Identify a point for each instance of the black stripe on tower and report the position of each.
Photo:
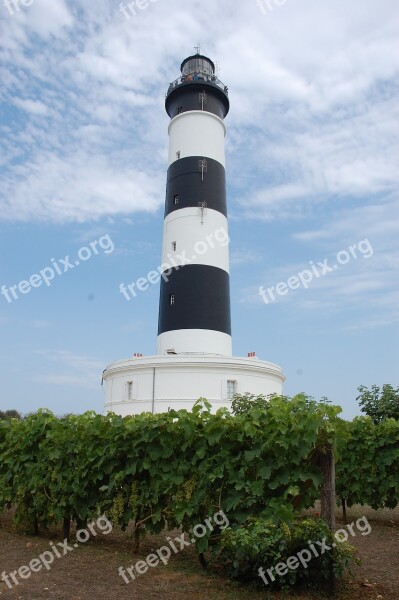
(186, 188)
(187, 97)
(195, 297)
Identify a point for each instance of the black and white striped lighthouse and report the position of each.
(194, 351)
(194, 307)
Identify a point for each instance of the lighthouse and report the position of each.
(194, 308)
(194, 343)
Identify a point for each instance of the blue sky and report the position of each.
(312, 167)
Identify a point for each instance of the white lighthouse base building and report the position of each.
(158, 383)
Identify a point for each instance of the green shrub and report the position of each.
(173, 469)
(368, 464)
(261, 544)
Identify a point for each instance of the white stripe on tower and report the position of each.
(190, 238)
(197, 133)
(194, 311)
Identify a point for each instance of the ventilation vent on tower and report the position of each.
(203, 165)
(202, 206)
(203, 98)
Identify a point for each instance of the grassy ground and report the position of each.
(90, 572)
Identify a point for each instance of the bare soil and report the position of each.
(90, 572)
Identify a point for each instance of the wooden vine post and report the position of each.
(328, 506)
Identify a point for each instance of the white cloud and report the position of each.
(312, 104)
(35, 107)
(243, 257)
(70, 369)
(80, 188)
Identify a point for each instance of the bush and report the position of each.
(261, 544)
(175, 468)
(368, 464)
(245, 403)
(9, 414)
(379, 404)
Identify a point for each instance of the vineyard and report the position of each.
(174, 470)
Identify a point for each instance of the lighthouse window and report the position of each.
(178, 154)
(199, 66)
(174, 245)
(231, 389)
(171, 299)
(130, 390)
(176, 199)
